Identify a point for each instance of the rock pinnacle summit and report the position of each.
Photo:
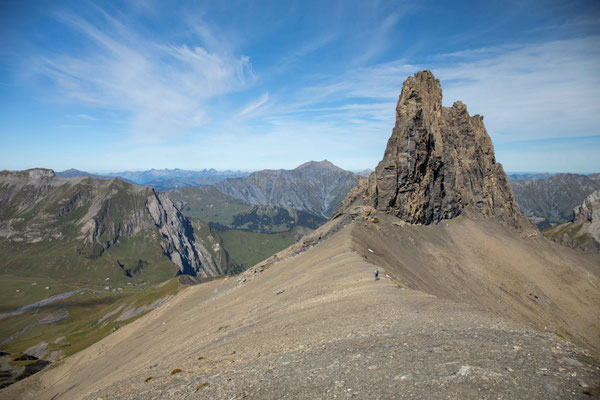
(438, 164)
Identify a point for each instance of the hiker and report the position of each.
(376, 274)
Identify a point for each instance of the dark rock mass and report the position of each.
(439, 163)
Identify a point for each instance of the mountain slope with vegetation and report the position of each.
(85, 217)
(550, 201)
(583, 233)
(71, 248)
(209, 204)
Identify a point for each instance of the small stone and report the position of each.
(583, 384)
(280, 291)
(550, 388)
(571, 362)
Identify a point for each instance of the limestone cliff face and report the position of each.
(584, 232)
(90, 215)
(439, 163)
(179, 243)
(589, 210)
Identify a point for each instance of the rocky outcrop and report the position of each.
(584, 232)
(179, 242)
(89, 215)
(589, 211)
(438, 164)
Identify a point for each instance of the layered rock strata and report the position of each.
(438, 164)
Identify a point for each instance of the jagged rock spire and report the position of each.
(439, 163)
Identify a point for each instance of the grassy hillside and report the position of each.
(574, 235)
(208, 204)
(249, 248)
(235, 250)
(66, 326)
(54, 259)
(74, 250)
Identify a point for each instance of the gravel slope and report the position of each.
(317, 325)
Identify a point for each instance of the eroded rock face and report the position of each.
(583, 233)
(439, 163)
(179, 243)
(589, 210)
(90, 215)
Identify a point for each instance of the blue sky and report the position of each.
(109, 86)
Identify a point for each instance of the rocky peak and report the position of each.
(438, 164)
(325, 164)
(39, 173)
(589, 210)
(179, 242)
(28, 174)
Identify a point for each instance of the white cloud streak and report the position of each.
(250, 109)
(531, 91)
(166, 88)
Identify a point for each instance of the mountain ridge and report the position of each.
(315, 187)
(550, 201)
(583, 233)
(94, 214)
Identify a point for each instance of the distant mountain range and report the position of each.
(315, 187)
(550, 201)
(75, 173)
(162, 179)
(525, 176)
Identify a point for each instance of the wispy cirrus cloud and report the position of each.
(251, 108)
(525, 91)
(164, 87)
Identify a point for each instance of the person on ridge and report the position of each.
(376, 274)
